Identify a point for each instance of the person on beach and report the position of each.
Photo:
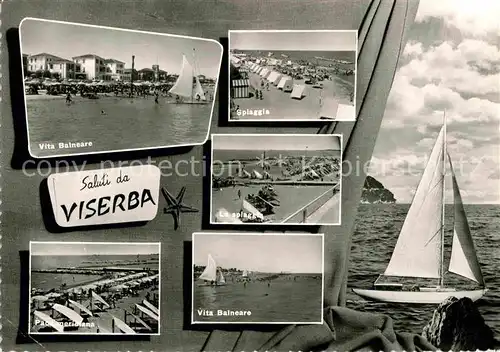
(239, 194)
(68, 98)
(156, 97)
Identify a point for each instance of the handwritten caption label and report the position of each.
(105, 196)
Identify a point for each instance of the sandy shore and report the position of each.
(282, 107)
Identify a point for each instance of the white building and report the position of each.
(65, 68)
(93, 66)
(115, 68)
(42, 61)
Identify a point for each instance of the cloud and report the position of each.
(424, 106)
(455, 74)
(413, 49)
(471, 67)
(472, 17)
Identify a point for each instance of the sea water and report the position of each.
(114, 123)
(377, 230)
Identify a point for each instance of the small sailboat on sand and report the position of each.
(184, 90)
(212, 275)
(419, 251)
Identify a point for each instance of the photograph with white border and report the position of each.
(94, 288)
(93, 89)
(292, 75)
(273, 179)
(257, 278)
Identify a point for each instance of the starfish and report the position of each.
(175, 206)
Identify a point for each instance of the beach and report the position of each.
(96, 298)
(284, 185)
(324, 76)
(282, 107)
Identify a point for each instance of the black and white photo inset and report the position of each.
(94, 288)
(276, 179)
(292, 75)
(114, 89)
(257, 278)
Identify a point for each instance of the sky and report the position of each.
(69, 40)
(310, 41)
(260, 252)
(93, 248)
(451, 63)
(275, 142)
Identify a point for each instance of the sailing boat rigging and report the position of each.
(419, 251)
(212, 275)
(183, 89)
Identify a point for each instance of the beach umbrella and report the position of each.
(53, 295)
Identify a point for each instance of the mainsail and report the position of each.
(210, 272)
(221, 279)
(199, 90)
(418, 249)
(463, 260)
(184, 85)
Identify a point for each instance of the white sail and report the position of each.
(184, 85)
(463, 259)
(210, 272)
(221, 280)
(199, 90)
(418, 249)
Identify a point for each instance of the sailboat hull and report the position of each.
(425, 296)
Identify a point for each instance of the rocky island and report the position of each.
(374, 192)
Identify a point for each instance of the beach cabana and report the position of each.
(272, 76)
(286, 84)
(277, 79)
(240, 88)
(329, 108)
(263, 72)
(267, 73)
(298, 91)
(346, 113)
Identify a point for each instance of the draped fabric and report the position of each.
(381, 35)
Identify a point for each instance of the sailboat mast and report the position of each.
(441, 276)
(194, 74)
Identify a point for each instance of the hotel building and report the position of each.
(93, 66)
(115, 68)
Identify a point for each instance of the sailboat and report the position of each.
(211, 275)
(419, 251)
(183, 88)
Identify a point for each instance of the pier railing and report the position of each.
(300, 216)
